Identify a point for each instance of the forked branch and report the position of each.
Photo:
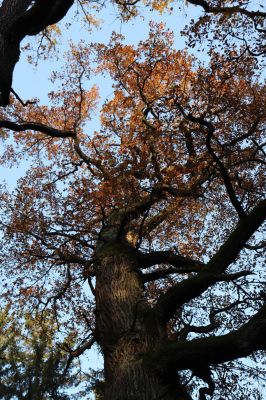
(199, 353)
(193, 287)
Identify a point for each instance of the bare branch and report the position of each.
(34, 126)
(76, 353)
(168, 257)
(208, 8)
(226, 178)
(224, 174)
(197, 329)
(164, 273)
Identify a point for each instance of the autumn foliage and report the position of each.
(175, 176)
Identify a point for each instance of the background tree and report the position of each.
(33, 363)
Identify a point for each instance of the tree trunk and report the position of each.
(127, 328)
(9, 55)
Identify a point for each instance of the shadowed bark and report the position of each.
(19, 18)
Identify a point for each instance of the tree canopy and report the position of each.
(145, 236)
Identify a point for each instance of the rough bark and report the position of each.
(127, 328)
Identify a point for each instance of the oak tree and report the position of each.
(145, 237)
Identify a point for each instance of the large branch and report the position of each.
(18, 20)
(199, 353)
(10, 10)
(193, 287)
(209, 8)
(33, 126)
(168, 257)
(56, 133)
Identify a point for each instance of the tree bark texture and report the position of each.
(127, 328)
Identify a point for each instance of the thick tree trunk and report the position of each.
(127, 328)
